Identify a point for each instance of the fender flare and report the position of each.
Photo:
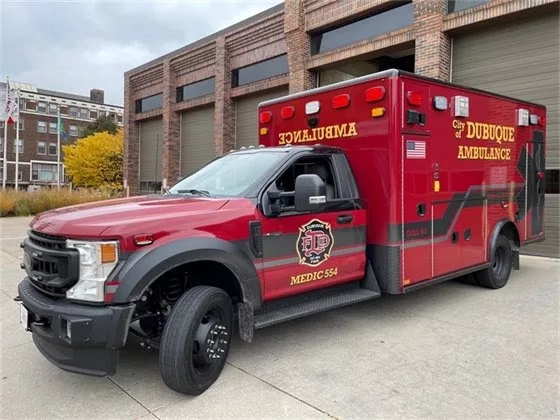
(143, 267)
(495, 233)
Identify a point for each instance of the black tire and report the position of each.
(196, 340)
(497, 275)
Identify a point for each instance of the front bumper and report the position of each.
(97, 332)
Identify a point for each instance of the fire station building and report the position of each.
(184, 108)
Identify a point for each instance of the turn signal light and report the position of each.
(143, 239)
(341, 101)
(375, 94)
(265, 117)
(414, 98)
(108, 253)
(378, 112)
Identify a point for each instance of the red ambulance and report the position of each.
(378, 185)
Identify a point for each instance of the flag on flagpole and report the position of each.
(61, 128)
(12, 106)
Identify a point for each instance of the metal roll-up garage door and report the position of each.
(520, 59)
(151, 150)
(246, 118)
(197, 139)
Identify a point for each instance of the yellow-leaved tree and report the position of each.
(96, 161)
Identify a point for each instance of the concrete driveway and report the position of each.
(451, 350)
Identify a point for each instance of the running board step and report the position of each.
(309, 303)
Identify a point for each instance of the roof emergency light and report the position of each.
(287, 112)
(440, 103)
(534, 119)
(312, 107)
(523, 117)
(375, 93)
(341, 101)
(265, 117)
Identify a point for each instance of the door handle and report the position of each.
(346, 218)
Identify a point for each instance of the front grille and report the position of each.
(47, 241)
(52, 268)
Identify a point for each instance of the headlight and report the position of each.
(97, 260)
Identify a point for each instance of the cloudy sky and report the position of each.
(76, 45)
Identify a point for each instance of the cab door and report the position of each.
(303, 252)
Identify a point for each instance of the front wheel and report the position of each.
(196, 339)
(497, 275)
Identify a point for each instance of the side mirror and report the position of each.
(310, 193)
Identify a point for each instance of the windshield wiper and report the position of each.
(194, 191)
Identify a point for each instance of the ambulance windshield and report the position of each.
(228, 176)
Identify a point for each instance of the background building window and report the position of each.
(73, 111)
(149, 103)
(93, 114)
(41, 148)
(366, 28)
(41, 127)
(21, 123)
(42, 107)
(119, 118)
(52, 149)
(1, 144)
(196, 89)
(275, 66)
(454, 6)
(84, 113)
(20, 146)
(44, 172)
(30, 105)
(52, 128)
(53, 108)
(73, 130)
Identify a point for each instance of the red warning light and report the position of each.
(341, 101)
(414, 98)
(265, 117)
(287, 112)
(375, 94)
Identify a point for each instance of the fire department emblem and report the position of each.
(315, 242)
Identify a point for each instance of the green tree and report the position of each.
(104, 123)
(96, 161)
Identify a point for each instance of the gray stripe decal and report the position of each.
(294, 260)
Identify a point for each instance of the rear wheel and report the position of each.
(497, 275)
(196, 339)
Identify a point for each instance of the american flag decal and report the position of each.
(415, 149)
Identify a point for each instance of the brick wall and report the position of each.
(432, 46)
(281, 32)
(298, 43)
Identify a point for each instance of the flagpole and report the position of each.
(58, 149)
(4, 162)
(17, 143)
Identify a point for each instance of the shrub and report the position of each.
(23, 203)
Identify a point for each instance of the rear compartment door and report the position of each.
(535, 167)
(417, 151)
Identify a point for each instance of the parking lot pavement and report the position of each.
(451, 350)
